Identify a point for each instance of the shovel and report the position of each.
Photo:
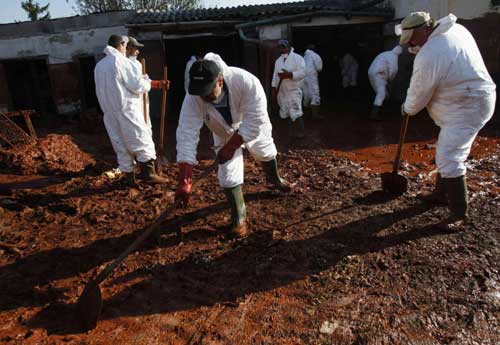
(144, 95)
(161, 159)
(393, 182)
(89, 304)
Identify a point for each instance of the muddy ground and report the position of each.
(334, 262)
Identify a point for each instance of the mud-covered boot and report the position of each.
(239, 226)
(273, 177)
(298, 125)
(458, 203)
(148, 173)
(129, 179)
(438, 195)
(315, 113)
(375, 113)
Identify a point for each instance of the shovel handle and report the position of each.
(144, 95)
(161, 218)
(163, 110)
(402, 135)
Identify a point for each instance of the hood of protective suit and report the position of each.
(109, 50)
(397, 50)
(218, 60)
(444, 24)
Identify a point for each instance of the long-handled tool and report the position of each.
(89, 303)
(393, 182)
(161, 159)
(144, 95)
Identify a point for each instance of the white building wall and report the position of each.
(60, 48)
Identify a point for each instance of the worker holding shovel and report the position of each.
(450, 79)
(233, 105)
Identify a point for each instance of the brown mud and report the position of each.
(334, 262)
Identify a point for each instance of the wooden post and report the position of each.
(163, 111)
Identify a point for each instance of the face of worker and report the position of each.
(284, 50)
(420, 36)
(133, 52)
(216, 92)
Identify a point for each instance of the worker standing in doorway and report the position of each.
(349, 71)
(233, 105)
(289, 73)
(381, 72)
(450, 79)
(119, 89)
(314, 65)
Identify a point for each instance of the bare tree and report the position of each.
(96, 6)
(35, 11)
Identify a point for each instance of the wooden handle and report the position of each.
(145, 95)
(402, 135)
(163, 110)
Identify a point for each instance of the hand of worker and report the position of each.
(285, 75)
(185, 183)
(227, 151)
(160, 84)
(403, 112)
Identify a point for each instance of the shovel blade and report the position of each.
(394, 183)
(89, 306)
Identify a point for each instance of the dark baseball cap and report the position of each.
(203, 77)
(132, 42)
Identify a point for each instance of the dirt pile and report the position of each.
(55, 154)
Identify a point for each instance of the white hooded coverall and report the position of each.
(450, 79)
(119, 89)
(290, 92)
(349, 71)
(138, 68)
(190, 63)
(383, 70)
(314, 65)
(248, 106)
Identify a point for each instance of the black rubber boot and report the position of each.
(130, 180)
(299, 130)
(375, 113)
(458, 202)
(273, 177)
(239, 226)
(438, 195)
(149, 175)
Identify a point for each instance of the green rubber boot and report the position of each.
(458, 203)
(273, 177)
(239, 226)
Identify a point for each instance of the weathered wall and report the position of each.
(65, 87)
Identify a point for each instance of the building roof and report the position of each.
(254, 12)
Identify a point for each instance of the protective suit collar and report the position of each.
(397, 50)
(109, 50)
(444, 24)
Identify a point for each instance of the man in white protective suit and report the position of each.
(450, 79)
(310, 88)
(381, 72)
(195, 57)
(289, 73)
(232, 103)
(119, 89)
(349, 71)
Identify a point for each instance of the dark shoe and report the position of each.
(299, 130)
(149, 175)
(458, 203)
(130, 180)
(315, 113)
(438, 195)
(375, 113)
(239, 226)
(273, 177)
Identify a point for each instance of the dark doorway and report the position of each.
(179, 51)
(89, 99)
(363, 41)
(29, 85)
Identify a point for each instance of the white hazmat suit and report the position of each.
(451, 80)
(190, 63)
(138, 68)
(290, 93)
(248, 107)
(349, 71)
(314, 65)
(383, 70)
(119, 89)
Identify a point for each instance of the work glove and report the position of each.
(403, 112)
(227, 151)
(285, 75)
(185, 183)
(160, 84)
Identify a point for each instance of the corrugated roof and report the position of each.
(250, 12)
